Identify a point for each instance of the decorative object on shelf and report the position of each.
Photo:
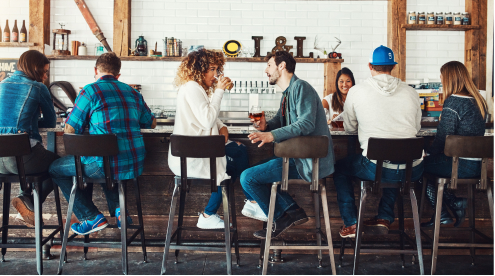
(448, 18)
(457, 18)
(431, 18)
(334, 54)
(82, 50)
(155, 53)
(466, 20)
(23, 34)
(257, 51)
(95, 29)
(300, 42)
(439, 17)
(6, 32)
(421, 18)
(232, 48)
(15, 33)
(173, 47)
(75, 47)
(317, 47)
(141, 46)
(411, 17)
(63, 43)
(136, 86)
(194, 48)
(99, 50)
(280, 45)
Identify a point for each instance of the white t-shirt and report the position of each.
(329, 112)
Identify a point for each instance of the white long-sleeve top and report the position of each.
(197, 115)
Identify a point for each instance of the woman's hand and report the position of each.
(225, 132)
(334, 116)
(223, 82)
(329, 122)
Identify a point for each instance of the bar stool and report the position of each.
(200, 147)
(455, 147)
(314, 147)
(397, 151)
(18, 145)
(104, 145)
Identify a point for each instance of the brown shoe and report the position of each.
(24, 206)
(377, 226)
(348, 232)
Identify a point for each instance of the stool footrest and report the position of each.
(197, 248)
(389, 251)
(481, 245)
(301, 247)
(31, 245)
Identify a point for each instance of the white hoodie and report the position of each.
(383, 107)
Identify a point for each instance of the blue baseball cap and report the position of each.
(382, 56)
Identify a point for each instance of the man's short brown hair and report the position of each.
(290, 62)
(109, 63)
(383, 68)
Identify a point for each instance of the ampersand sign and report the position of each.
(280, 45)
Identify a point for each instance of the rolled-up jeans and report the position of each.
(62, 171)
(359, 166)
(255, 179)
(37, 162)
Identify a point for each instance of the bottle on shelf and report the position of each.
(15, 33)
(1, 34)
(23, 34)
(6, 32)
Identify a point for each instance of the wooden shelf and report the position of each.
(298, 60)
(439, 27)
(17, 44)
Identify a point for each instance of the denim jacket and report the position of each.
(21, 99)
(307, 118)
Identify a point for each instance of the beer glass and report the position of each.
(255, 113)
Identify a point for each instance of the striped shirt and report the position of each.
(110, 106)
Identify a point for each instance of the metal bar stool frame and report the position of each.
(104, 145)
(314, 147)
(397, 151)
(200, 147)
(456, 147)
(18, 145)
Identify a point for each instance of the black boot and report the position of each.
(457, 205)
(431, 194)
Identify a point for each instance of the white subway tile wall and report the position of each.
(361, 26)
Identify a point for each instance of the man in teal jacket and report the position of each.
(301, 114)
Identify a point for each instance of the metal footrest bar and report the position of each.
(197, 248)
(20, 245)
(301, 247)
(388, 251)
(479, 245)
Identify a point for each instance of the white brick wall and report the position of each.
(360, 25)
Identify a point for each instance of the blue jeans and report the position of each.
(441, 165)
(255, 179)
(359, 166)
(237, 162)
(62, 170)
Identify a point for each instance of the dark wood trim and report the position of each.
(17, 44)
(440, 27)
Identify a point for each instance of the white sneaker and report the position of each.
(253, 210)
(212, 222)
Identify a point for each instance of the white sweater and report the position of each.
(197, 115)
(382, 107)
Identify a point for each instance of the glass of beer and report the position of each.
(255, 113)
(229, 86)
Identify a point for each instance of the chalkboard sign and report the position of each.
(7, 67)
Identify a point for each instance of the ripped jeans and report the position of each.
(359, 166)
(62, 170)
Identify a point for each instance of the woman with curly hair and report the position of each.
(198, 105)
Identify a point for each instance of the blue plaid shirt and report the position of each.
(110, 106)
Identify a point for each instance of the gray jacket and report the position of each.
(307, 118)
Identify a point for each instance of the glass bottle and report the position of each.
(466, 20)
(457, 18)
(431, 18)
(421, 18)
(6, 32)
(23, 37)
(411, 18)
(439, 17)
(15, 33)
(448, 18)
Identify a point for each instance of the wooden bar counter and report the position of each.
(157, 184)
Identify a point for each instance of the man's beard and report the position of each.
(273, 80)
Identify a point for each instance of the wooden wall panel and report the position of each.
(39, 24)
(330, 74)
(396, 35)
(122, 27)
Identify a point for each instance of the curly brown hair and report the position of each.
(109, 63)
(195, 66)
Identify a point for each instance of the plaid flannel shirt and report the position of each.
(110, 106)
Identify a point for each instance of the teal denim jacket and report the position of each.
(21, 99)
(307, 118)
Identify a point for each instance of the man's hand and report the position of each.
(264, 137)
(225, 132)
(261, 124)
(153, 124)
(69, 129)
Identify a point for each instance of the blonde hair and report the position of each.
(456, 80)
(195, 66)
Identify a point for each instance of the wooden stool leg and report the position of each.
(359, 231)
(269, 227)
(170, 226)
(326, 216)
(226, 220)
(436, 231)
(123, 225)
(5, 218)
(417, 229)
(59, 213)
(316, 200)
(489, 193)
(63, 256)
(472, 219)
(38, 229)
(140, 218)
